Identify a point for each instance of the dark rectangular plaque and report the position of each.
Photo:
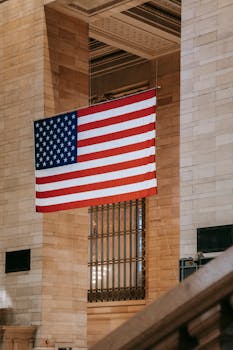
(18, 260)
(214, 239)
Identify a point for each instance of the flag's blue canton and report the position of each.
(56, 141)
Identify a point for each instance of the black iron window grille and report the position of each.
(117, 251)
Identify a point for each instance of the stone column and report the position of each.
(206, 122)
(21, 101)
(44, 71)
(64, 279)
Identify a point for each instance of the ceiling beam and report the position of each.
(99, 9)
(120, 6)
(148, 28)
(109, 25)
(133, 37)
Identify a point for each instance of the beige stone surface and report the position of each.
(162, 214)
(19, 337)
(44, 70)
(21, 69)
(38, 79)
(206, 118)
(64, 279)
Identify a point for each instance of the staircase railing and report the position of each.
(195, 315)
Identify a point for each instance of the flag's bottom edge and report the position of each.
(97, 201)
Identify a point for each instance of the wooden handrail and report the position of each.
(178, 316)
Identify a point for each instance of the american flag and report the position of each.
(97, 155)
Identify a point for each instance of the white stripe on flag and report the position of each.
(96, 163)
(114, 112)
(97, 193)
(131, 124)
(126, 141)
(96, 178)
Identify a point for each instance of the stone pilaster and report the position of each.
(44, 70)
(206, 122)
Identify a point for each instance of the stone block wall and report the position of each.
(44, 71)
(162, 210)
(21, 102)
(206, 131)
(64, 279)
(38, 79)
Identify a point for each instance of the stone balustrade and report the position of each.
(17, 337)
(195, 315)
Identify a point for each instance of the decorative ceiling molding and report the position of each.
(94, 8)
(153, 29)
(126, 32)
(159, 16)
(148, 30)
(172, 6)
(134, 38)
(91, 10)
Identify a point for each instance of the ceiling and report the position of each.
(126, 32)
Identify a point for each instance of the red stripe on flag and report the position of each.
(115, 120)
(96, 186)
(98, 201)
(116, 103)
(116, 135)
(96, 171)
(116, 151)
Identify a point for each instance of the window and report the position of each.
(117, 251)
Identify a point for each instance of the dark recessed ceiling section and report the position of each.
(158, 14)
(105, 59)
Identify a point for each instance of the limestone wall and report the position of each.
(206, 131)
(162, 213)
(44, 70)
(21, 102)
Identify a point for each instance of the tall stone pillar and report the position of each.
(44, 70)
(206, 125)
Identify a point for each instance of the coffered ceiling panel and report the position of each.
(90, 10)
(117, 32)
(124, 31)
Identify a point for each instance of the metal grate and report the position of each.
(187, 266)
(117, 251)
